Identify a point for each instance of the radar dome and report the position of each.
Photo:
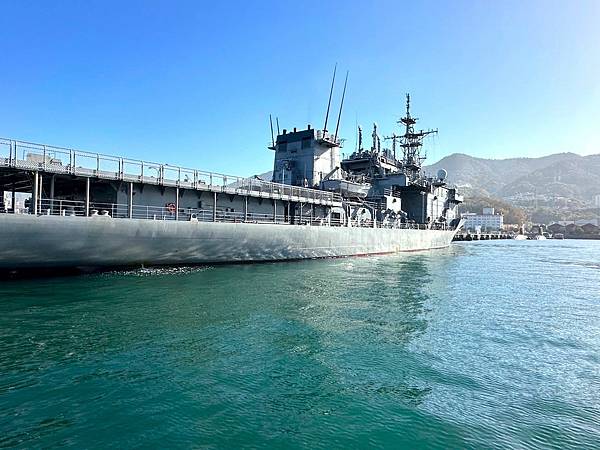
(442, 174)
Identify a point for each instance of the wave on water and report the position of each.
(158, 271)
(566, 262)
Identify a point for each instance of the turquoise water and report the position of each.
(484, 345)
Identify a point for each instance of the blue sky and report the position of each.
(193, 83)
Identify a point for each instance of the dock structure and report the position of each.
(64, 181)
(486, 236)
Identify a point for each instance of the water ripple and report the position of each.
(485, 344)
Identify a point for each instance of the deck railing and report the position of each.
(49, 158)
(73, 208)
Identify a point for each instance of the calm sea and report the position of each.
(484, 345)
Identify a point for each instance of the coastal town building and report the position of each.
(573, 230)
(487, 220)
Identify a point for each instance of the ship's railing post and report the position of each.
(130, 200)
(177, 203)
(9, 152)
(40, 192)
(52, 179)
(87, 196)
(214, 206)
(34, 193)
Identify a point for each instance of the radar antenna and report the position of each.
(412, 141)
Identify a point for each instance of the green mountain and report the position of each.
(562, 186)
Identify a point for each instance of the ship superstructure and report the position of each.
(61, 207)
(375, 184)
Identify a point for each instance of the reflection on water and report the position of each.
(456, 348)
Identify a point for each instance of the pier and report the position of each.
(467, 236)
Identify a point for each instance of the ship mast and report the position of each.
(412, 141)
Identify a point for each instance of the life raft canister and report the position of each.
(171, 208)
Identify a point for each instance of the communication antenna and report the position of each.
(341, 106)
(394, 137)
(360, 147)
(356, 146)
(272, 137)
(330, 95)
(277, 120)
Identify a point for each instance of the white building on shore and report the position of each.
(489, 220)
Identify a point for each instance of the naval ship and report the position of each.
(65, 208)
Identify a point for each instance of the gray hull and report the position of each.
(53, 242)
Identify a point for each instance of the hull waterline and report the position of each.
(46, 242)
